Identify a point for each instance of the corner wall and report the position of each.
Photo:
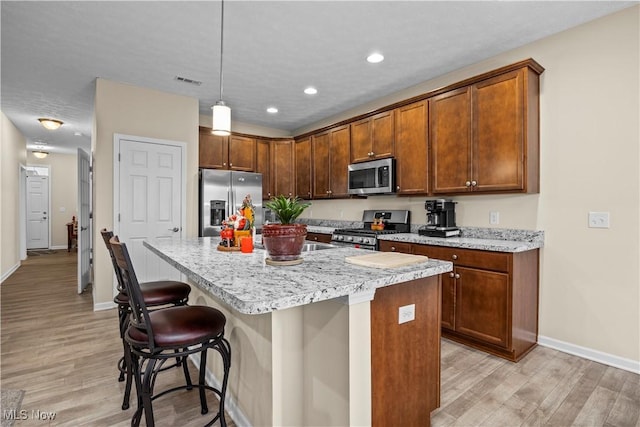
(13, 149)
(130, 110)
(590, 161)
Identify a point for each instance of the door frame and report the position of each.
(23, 197)
(117, 137)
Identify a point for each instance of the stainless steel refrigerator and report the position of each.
(221, 195)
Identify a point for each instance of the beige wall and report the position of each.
(13, 154)
(247, 128)
(136, 111)
(590, 161)
(63, 170)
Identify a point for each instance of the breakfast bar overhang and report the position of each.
(322, 342)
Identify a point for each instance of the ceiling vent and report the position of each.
(190, 81)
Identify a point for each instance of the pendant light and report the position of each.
(221, 112)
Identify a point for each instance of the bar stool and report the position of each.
(156, 336)
(159, 294)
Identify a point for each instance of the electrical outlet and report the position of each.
(494, 218)
(406, 313)
(598, 219)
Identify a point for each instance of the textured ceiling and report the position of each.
(52, 53)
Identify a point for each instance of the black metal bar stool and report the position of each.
(159, 294)
(156, 336)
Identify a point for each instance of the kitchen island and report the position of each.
(320, 343)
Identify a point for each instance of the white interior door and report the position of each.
(150, 201)
(84, 220)
(37, 212)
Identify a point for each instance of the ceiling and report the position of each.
(53, 51)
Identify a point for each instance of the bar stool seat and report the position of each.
(157, 294)
(156, 336)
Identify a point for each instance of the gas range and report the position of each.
(394, 221)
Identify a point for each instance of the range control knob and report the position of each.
(349, 239)
(339, 238)
(359, 239)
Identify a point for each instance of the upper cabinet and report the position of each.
(412, 173)
(263, 166)
(303, 174)
(373, 138)
(484, 137)
(226, 152)
(282, 167)
(330, 152)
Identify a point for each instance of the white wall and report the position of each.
(590, 161)
(13, 149)
(131, 110)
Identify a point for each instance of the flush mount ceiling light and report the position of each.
(272, 110)
(51, 124)
(221, 112)
(375, 57)
(40, 154)
(311, 90)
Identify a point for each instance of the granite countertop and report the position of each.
(247, 284)
(320, 229)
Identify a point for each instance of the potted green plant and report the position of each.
(284, 241)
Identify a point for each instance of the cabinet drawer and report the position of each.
(497, 261)
(319, 237)
(389, 246)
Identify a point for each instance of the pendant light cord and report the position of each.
(221, 42)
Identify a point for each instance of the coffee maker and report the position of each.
(441, 219)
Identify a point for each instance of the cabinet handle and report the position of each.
(451, 275)
(397, 187)
(230, 164)
(467, 184)
(457, 276)
(289, 194)
(454, 256)
(224, 163)
(474, 183)
(393, 248)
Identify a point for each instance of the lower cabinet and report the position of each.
(319, 237)
(489, 300)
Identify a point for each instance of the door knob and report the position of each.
(174, 229)
(83, 228)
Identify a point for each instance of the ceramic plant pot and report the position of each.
(284, 242)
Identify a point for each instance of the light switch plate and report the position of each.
(598, 219)
(494, 218)
(406, 313)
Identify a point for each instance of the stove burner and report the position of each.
(395, 221)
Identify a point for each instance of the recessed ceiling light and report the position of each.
(272, 110)
(375, 57)
(77, 133)
(311, 90)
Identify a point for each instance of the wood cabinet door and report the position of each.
(339, 144)
(361, 140)
(498, 133)
(383, 135)
(448, 283)
(450, 141)
(319, 237)
(303, 168)
(212, 150)
(242, 153)
(373, 137)
(282, 167)
(411, 148)
(482, 305)
(321, 185)
(263, 166)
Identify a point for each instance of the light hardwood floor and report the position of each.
(63, 355)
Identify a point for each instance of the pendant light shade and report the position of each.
(221, 112)
(221, 119)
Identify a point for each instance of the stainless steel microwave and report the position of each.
(374, 177)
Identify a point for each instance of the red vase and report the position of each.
(284, 242)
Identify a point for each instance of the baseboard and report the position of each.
(57, 247)
(12, 270)
(590, 354)
(104, 306)
(231, 406)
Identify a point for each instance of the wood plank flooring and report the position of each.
(63, 355)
